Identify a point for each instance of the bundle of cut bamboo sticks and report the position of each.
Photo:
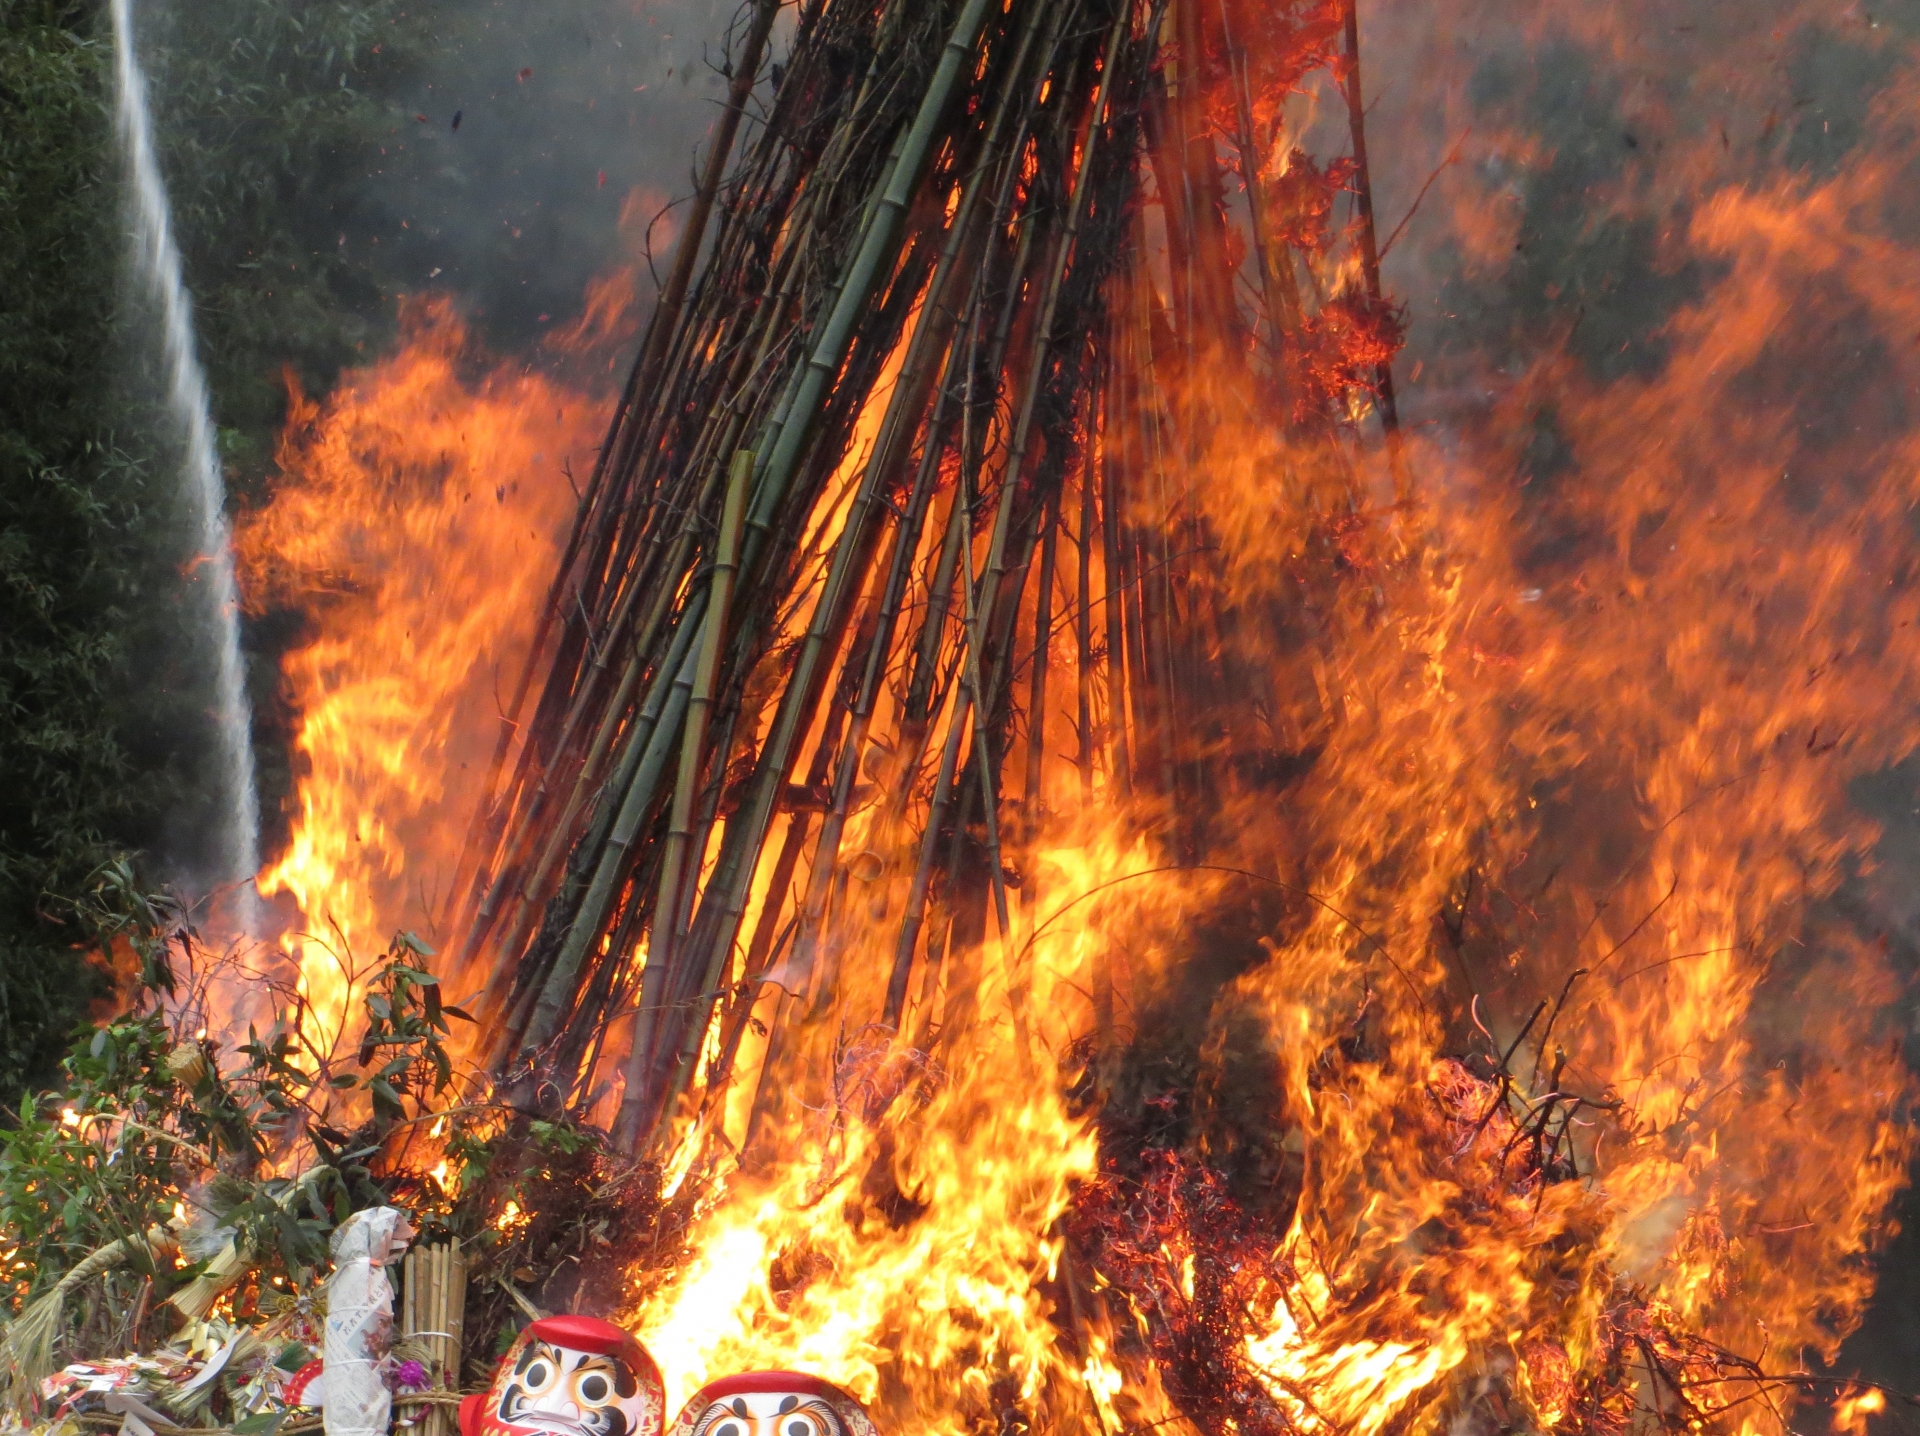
(433, 1299)
(915, 421)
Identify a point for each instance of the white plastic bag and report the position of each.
(360, 1321)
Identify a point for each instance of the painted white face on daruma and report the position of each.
(557, 1389)
(570, 1376)
(770, 1413)
(771, 1403)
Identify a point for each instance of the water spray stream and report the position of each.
(156, 259)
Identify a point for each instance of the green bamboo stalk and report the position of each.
(919, 706)
(835, 339)
(673, 693)
(700, 702)
(906, 540)
(983, 752)
(991, 596)
(636, 780)
(1083, 607)
(915, 914)
(659, 330)
(1042, 642)
(932, 336)
(914, 918)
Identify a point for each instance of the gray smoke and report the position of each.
(563, 112)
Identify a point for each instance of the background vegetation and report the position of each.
(68, 507)
(266, 105)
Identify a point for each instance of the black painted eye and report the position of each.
(727, 1428)
(538, 1376)
(595, 1388)
(799, 1426)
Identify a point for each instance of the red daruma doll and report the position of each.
(570, 1376)
(772, 1403)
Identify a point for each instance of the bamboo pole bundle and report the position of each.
(433, 1298)
(917, 420)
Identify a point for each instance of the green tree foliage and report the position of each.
(265, 110)
(220, 1167)
(269, 118)
(70, 508)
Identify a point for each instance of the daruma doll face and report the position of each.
(571, 1376)
(769, 1413)
(772, 1403)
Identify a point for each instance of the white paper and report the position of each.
(360, 1321)
(215, 1364)
(136, 1417)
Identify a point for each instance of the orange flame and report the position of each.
(1607, 787)
(1572, 1067)
(417, 522)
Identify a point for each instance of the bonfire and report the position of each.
(1049, 864)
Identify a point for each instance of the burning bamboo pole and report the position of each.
(679, 830)
(929, 285)
(782, 800)
(1363, 199)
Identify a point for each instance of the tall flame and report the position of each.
(1543, 1075)
(1576, 1070)
(416, 522)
